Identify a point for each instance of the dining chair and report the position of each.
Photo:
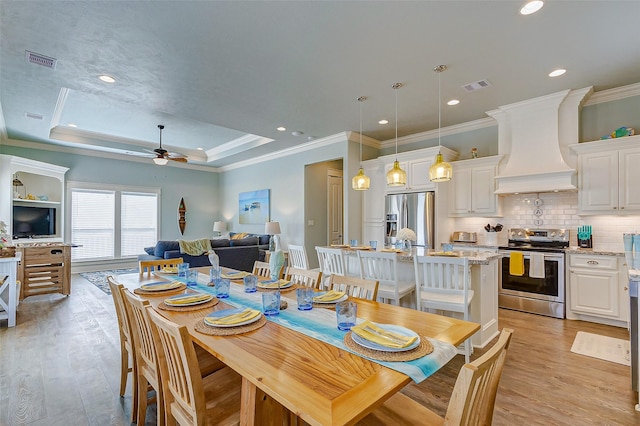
(298, 257)
(261, 269)
(355, 287)
(127, 348)
(304, 277)
(149, 266)
(472, 401)
(191, 399)
(331, 261)
(443, 284)
(383, 267)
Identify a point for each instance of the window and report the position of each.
(109, 222)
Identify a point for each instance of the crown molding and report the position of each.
(445, 131)
(614, 94)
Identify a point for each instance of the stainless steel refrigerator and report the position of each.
(415, 211)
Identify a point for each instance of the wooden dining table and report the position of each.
(286, 373)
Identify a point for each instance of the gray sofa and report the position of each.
(239, 253)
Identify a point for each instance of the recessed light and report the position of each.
(297, 133)
(531, 7)
(107, 78)
(200, 149)
(383, 122)
(281, 129)
(311, 138)
(556, 73)
(73, 125)
(453, 102)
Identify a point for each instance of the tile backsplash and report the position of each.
(559, 210)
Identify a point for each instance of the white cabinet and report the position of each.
(598, 289)
(471, 190)
(416, 164)
(418, 174)
(373, 208)
(608, 174)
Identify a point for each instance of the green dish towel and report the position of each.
(196, 247)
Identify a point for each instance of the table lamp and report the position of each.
(273, 229)
(219, 227)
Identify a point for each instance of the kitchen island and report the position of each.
(485, 273)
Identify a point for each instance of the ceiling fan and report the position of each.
(163, 156)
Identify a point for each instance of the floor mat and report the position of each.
(99, 278)
(602, 347)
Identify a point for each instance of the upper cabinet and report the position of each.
(416, 164)
(471, 190)
(608, 173)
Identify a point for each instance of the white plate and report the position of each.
(234, 275)
(261, 284)
(344, 297)
(226, 312)
(160, 286)
(183, 296)
(394, 329)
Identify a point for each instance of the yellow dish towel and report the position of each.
(273, 284)
(373, 333)
(329, 296)
(235, 275)
(161, 287)
(237, 318)
(516, 263)
(195, 248)
(186, 300)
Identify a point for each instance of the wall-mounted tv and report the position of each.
(31, 221)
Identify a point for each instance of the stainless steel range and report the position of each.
(540, 289)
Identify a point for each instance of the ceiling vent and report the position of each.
(476, 85)
(33, 115)
(36, 58)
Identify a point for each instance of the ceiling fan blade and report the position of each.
(178, 159)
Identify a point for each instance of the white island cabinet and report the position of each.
(484, 282)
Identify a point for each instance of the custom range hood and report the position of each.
(534, 136)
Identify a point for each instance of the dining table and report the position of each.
(288, 373)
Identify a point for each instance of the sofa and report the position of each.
(239, 251)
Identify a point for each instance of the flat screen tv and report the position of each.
(30, 222)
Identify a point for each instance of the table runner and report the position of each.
(321, 324)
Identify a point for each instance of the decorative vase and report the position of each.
(276, 261)
(214, 259)
(407, 246)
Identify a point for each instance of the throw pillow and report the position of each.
(239, 235)
(150, 250)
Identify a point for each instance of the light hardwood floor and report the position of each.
(60, 366)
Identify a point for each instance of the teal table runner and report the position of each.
(321, 325)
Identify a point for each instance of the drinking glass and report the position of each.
(250, 284)
(346, 314)
(192, 277)
(354, 243)
(373, 244)
(304, 296)
(271, 303)
(447, 248)
(214, 274)
(182, 270)
(222, 288)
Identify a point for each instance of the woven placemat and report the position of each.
(325, 305)
(209, 304)
(144, 292)
(424, 348)
(282, 290)
(202, 327)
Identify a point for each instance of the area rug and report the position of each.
(99, 278)
(602, 347)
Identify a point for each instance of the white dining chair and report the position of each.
(443, 284)
(298, 257)
(331, 261)
(383, 267)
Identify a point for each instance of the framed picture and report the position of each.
(253, 206)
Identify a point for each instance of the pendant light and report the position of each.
(396, 176)
(361, 182)
(440, 171)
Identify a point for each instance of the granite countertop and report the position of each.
(578, 250)
(475, 258)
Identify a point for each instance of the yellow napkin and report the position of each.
(329, 296)
(516, 263)
(235, 275)
(161, 287)
(373, 333)
(170, 270)
(274, 284)
(237, 318)
(185, 300)
(391, 250)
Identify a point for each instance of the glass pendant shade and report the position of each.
(360, 182)
(397, 176)
(440, 171)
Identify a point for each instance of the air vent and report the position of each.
(45, 61)
(476, 85)
(33, 115)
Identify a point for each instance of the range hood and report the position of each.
(534, 137)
